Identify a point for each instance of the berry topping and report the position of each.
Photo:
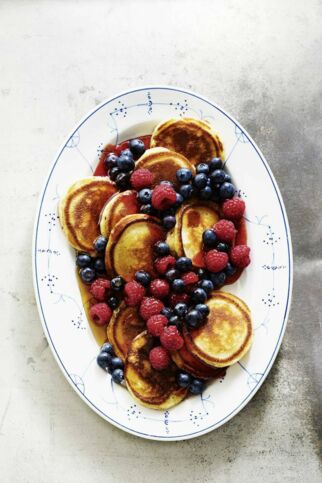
(196, 387)
(125, 162)
(239, 255)
(150, 306)
(112, 302)
(100, 243)
(172, 274)
(144, 196)
(194, 318)
(163, 196)
(207, 285)
(107, 347)
(216, 261)
(217, 176)
(100, 313)
(141, 178)
(159, 358)
(83, 260)
(202, 168)
(147, 209)
(215, 163)
(184, 175)
(117, 284)
(118, 375)
(169, 222)
(159, 288)
(162, 265)
(186, 191)
(233, 209)
(87, 274)
(199, 296)
(137, 148)
(99, 288)
(176, 298)
(206, 193)
(180, 309)
(113, 172)
(190, 278)
(116, 363)
(230, 269)
(104, 360)
(176, 321)
(183, 380)
(161, 249)
(167, 312)
(178, 285)
(184, 264)
(122, 181)
(203, 309)
(171, 338)
(226, 190)
(134, 293)
(225, 230)
(110, 161)
(209, 238)
(200, 180)
(218, 279)
(143, 278)
(156, 324)
(222, 247)
(99, 265)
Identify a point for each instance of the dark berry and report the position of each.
(196, 386)
(230, 269)
(117, 283)
(122, 181)
(87, 274)
(126, 152)
(137, 148)
(172, 274)
(207, 285)
(184, 264)
(184, 175)
(222, 247)
(83, 260)
(175, 320)
(147, 209)
(169, 222)
(215, 163)
(199, 296)
(227, 178)
(183, 380)
(217, 176)
(118, 375)
(186, 191)
(205, 193)
(202, 273)
(117, 363)
(167, 312)
(203, 309)
(180, 309)
(193, 318)
(107, 347)
(215, 195)
(104, 360)
(112, 302)
(202, 168)
(125, 163)
(170, 212)
(114, 172)
(179, 200)
(178, 285)
(161, 249)
(110, 161)
(99, 265)
(200, 181)
(226, 191)
(209, 238)
(145, 196)
(100, 243)
(218, 279)
(143, 278)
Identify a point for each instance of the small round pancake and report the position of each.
(227, 334)
(80, 208)
(164, 164)
(117, 207)
(188, 363)
(192, 138)
(130, 246)
(124, 326)
(151, 388)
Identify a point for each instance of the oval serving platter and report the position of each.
(265, 286)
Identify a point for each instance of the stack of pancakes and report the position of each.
(93, 206)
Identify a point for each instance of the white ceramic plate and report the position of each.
(265, 286)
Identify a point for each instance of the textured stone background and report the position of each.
(262, 62)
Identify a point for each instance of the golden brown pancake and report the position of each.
(117, 207)
(80, 208)
(124, 326)
(192, 138)
(130, 246)
(187, 362)
(227, 334)
(164, 164)
(151, 388)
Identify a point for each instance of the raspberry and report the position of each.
(177, 298)
(159, 288)
(239, 255)
(233, 209)
(159, 358)
(171, 338)
(156, 324)
(225, 230)
(216, 261)
(163, 196)
(163, 264)
(190, 278)
(150, 306)
(100, 313)
(134, 293)
(99, 288)
(141, 178)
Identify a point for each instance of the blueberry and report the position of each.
(196, 386)
(143, 278)
(184, 175)
(178, 285)
(125, 163)
(186, 191)
(169, 222)
(117, 363)
(181, 309)
(202, 273)
(137, 148)
(145, 196)
(99, 265)
(184, 264)
(227, 191)
(203, 309)
(217, 176)
(87, 274)
(169, 212)
(100, 243)
(172, 274)
(227, 178)
(218, 279)
(167, 312)
(112, 302)
(147, 209)
(175, 320)
(230, 269)
(118, 375)
(117, 283)
(207, 285)
(215, 195)
(200, 180)
(83, 260)
(222, 247)
(110, 161)
(209, 238)
(161, 248)
(199, 296)
(215, 163)
(107, 347)
(123, 181)
(104, 360)
(183, 380)
(179, 201)
(193, 318)
(202, 168)
(114, 172)
(205, 193)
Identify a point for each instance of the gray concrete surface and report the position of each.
(262, 62)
